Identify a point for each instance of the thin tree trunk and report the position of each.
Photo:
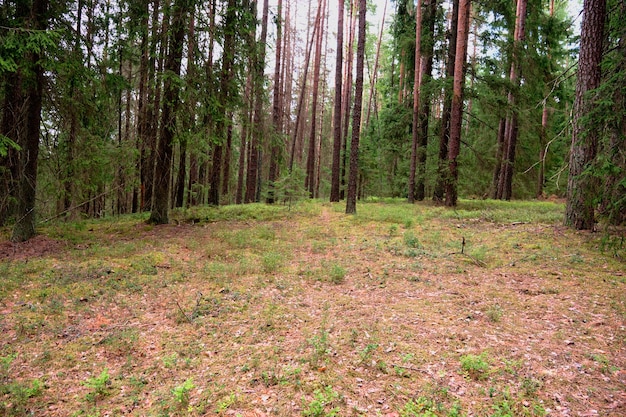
(505, 183)
(456, 113)
(444, 138)
(337, 112)
(309, 181)
(243, 151)
(276, 109)
(416, 99)
(347, 94)
(425, 101)
(499, 155)
(223, 102)
(257, 126)
(375, 70)
(356, 115)
(297, 130)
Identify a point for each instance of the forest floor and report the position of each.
(268, 311)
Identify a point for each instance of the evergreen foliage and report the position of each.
(105, 88)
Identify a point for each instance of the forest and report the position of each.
(179, 233)
(113, 107)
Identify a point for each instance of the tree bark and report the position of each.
(223, 99)
(347, 95)
(337, 112)
(171, 101)
(24, 227)
(505, 183)
(356, 113)
(444, 138)
(579, 212)
(416, 99)
(425, 101)
(309, 181)
(258, 128)
(456, 113)
(276, 109)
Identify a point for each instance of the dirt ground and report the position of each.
(315, 315)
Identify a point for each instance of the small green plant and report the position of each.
(181, 393)
(322, 400)
(530, 387)
(422, 407)
(494, 313)
(393, 229)
(5, 364)
(411, 241)
(366, 354)
(475, 366)
(337, 274)
(319, 343)
(225, 403)
(99, 386)
(169, 361)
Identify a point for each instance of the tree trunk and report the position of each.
(356, 113)
(456, 112)
(579, 212)
(337, 112)
(12, 126)
(171, 100)
(258, 128)
(375, 69)
(444, 138)
(347, 95)
(298, 121)
(243, 149)
(223, 101)
(416, 99)
(24, 227)
(425, 102)
(309, 181)
(505, 184)
(276, 108)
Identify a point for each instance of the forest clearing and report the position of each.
(490, 309)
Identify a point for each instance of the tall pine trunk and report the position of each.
(505, 181)
(171, 101)
(258, 127)
(356, 113)
(456, 110)
(337, 110)
(24, 227)
(444, 137)
(275, 148)
(579, 211)
(428, 41)
(416, 100)
(311, 158)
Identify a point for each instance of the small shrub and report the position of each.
(337, 274)
(494, 313)
(320, 403)
(181, 393)
(411, 240)
(99, 386)
(475, 366)
(367, 352)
